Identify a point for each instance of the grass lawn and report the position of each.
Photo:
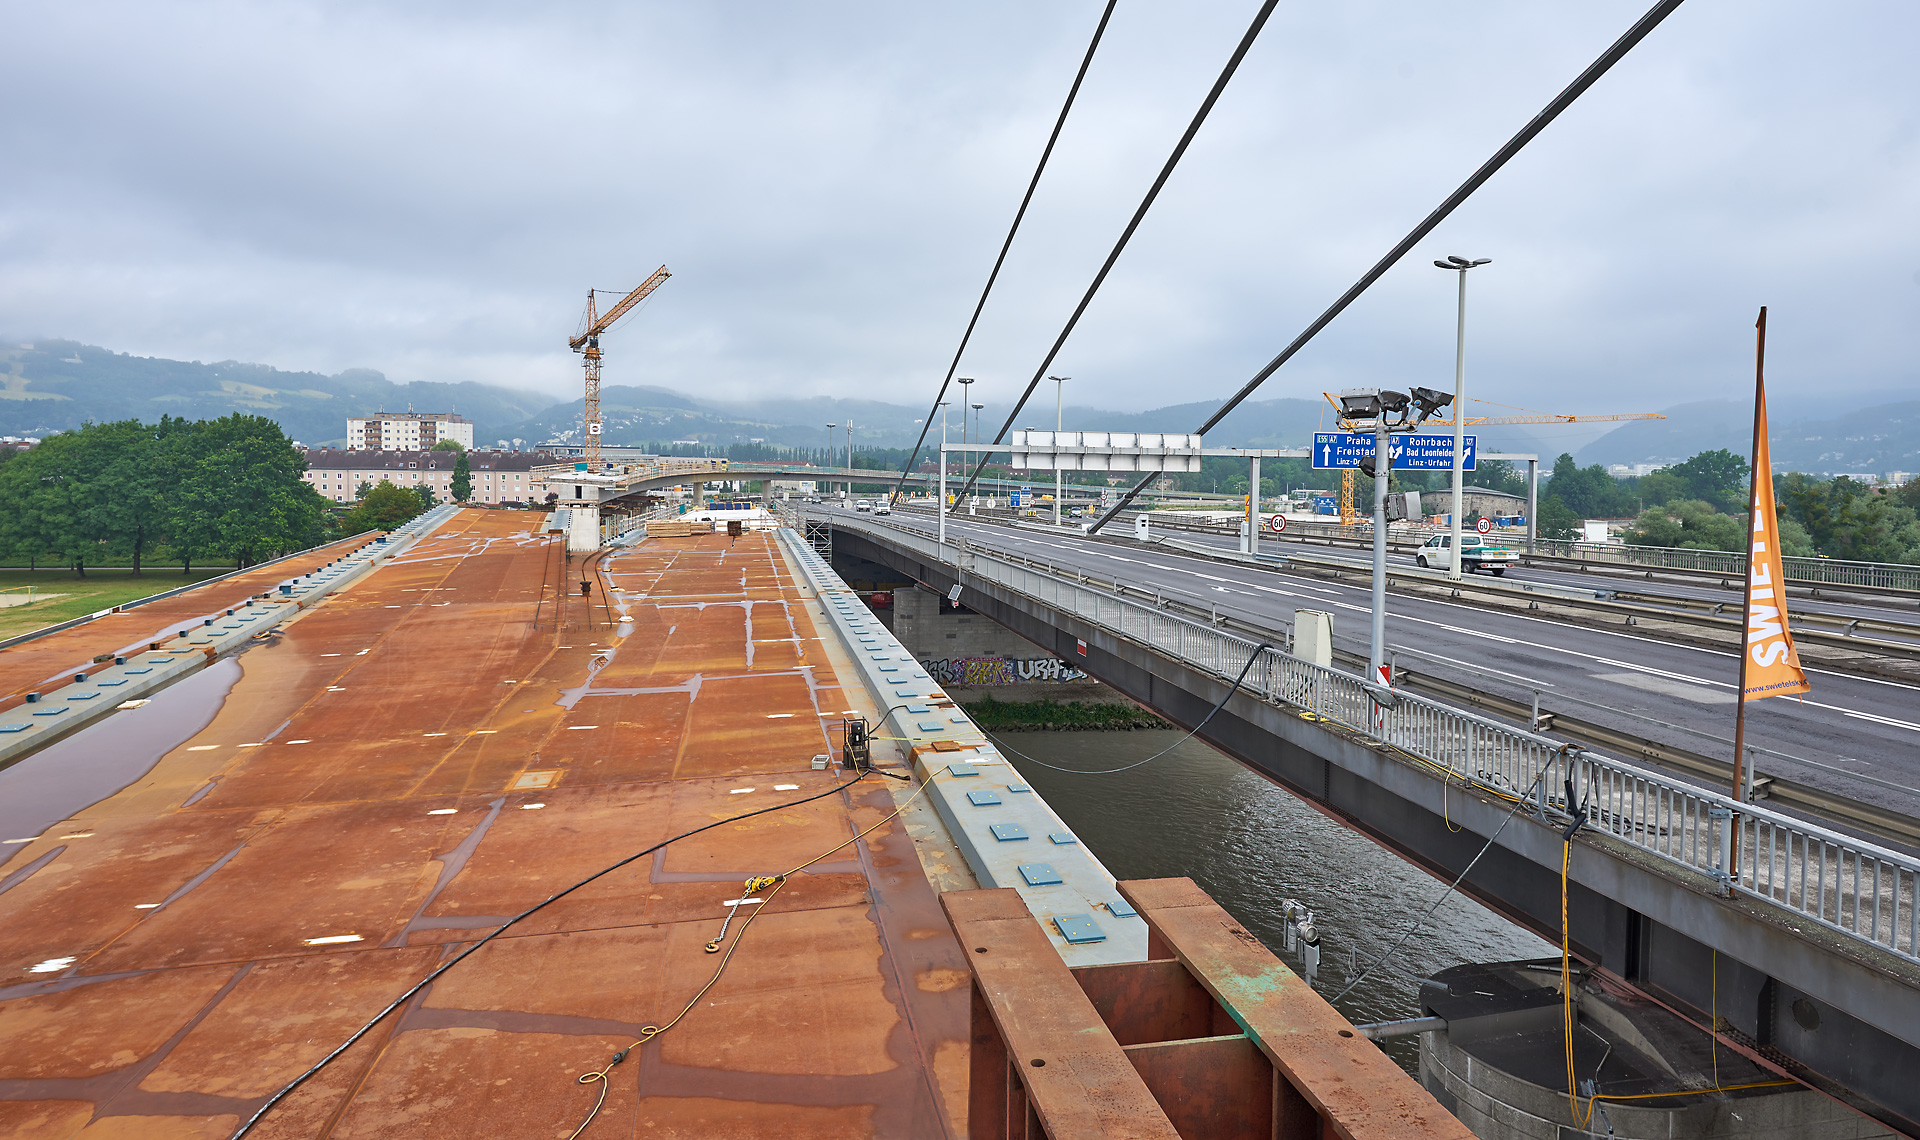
(101, 589)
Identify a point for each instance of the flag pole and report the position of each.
(1753, 500)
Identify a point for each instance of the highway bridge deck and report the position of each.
(447, 742)
(1630, 679)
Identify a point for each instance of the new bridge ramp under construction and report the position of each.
(295, 838)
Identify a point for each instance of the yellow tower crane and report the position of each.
(587, 341)
(1348, 516)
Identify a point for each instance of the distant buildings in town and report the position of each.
(499, 477)
(407, 431)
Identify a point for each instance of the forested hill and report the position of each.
(57, 385)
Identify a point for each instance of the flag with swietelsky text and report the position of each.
(1773, 665)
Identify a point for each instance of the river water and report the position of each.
(1250, 844)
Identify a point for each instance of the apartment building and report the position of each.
(498, 476)
(407, 431)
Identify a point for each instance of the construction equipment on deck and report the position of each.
(587, 341)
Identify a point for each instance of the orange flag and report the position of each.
(1771, 667)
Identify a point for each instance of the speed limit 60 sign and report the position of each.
(1484, 526)
(1277, 523)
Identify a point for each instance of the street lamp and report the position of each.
(830, 428)
(1459, 265)
(1390, 412)
(849, 459)
(964, 390)
(1059, 386)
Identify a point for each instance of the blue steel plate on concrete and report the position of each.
(930, 726)
(119, 681)
(1040, 874)
(83, 696)
(1006, 831)
(139, 670)
(918, 709)
(51, 712)
(889, 668)
(1078, 928)
(14, 727)
(1120, 908)
(1063, 838)
(962, 770)
(1018, 788)
(985, 797)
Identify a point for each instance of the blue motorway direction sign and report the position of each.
(1420, 451)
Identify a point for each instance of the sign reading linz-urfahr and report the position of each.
(1415, 452)
(1105, 451)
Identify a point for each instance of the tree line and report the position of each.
(1701, 504)
(178, 491)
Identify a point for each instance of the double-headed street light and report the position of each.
(1460, 265)
(1059, 386)
(964, 382)
(1390, 412)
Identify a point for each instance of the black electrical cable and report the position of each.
(1222, 703)
(322, 1063)
(1126, 235)
(1006, 245)
(1417, 923)
(1538, 123)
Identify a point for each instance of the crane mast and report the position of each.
(587, 343)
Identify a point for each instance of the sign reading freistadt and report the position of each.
(1419, 451)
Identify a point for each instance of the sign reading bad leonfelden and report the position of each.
(1105, 451)
(1420, 451)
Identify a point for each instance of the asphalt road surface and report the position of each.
(1846, 727)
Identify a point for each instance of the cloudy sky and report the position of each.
(429, 189)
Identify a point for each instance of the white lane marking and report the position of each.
(786, 787)
(202, 747)
(1886, 720)
(444, 811)
(332, 939)
(739, 791)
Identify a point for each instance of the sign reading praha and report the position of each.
(1419, 451)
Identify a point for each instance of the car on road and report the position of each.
(1476, 553)
(882, 507)
(863, 505)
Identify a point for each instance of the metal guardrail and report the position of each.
(1818, 571)
(1855, 888)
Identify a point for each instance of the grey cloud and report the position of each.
(429, 190)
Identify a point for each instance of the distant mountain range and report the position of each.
(56, 385)
(1871, 440)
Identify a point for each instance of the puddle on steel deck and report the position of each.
(96, 762)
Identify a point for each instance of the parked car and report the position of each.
(1475, 554)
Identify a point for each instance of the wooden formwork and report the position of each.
(1212, 1036)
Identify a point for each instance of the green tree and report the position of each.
(1589, 492)
(241, 490)
(425, 494)
(1691, 524)
(462, 488)
(449, 445)
(384, 507)
(1557, 520)
(1718, 477)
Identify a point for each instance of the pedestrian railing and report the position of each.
(1858, 889)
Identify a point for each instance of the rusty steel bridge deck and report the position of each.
(441, 745)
